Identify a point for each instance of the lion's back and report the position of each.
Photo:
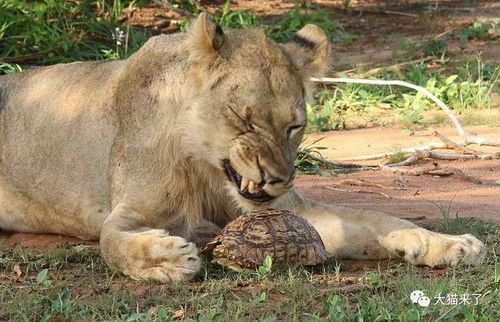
(57, 132)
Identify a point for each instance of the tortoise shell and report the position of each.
(289, 239)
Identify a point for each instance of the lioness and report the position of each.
(195, 126)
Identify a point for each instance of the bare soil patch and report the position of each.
(422, 198)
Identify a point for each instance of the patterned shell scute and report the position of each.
(286, 237)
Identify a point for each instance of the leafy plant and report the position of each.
(436, 47)
(307, 162)
(236, 19)
(295, 19)
(50, 31)
(261, 298)
(227, 18)
(304, 164)
(318, 117)
(266, 267)
(397, 157)
(479, 30)
(41, 278)
(6, 68)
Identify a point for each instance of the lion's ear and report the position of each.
(309, 49)
(205, 38)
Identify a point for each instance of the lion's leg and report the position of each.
(364, 234)
(142, 252)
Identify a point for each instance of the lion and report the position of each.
(197, 126)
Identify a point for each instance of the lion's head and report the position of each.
(249, 114)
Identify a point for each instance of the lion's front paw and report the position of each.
(422, 247)
(154, 254)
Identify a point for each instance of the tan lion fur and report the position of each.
(132, 152)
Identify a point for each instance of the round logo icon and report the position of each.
(415, 295)
(424, 301)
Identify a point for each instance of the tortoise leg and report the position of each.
(366, 234)
(229, 264)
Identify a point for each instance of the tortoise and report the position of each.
(246, 241)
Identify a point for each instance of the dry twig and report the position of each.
(28, 57)
(456, 146)
(362, 183)
(430, 146)
(455, 156)
(359, 191)
(434, 170)
(387, 12)
(409, 161)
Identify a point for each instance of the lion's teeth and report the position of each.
(251, 186)
(244, 183)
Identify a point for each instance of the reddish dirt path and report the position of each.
(422, 194)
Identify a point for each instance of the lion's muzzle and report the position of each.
(246, 187)
(259, 170)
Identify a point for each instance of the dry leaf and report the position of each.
(178, 315)
(17, 271)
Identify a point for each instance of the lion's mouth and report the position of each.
(245, 187)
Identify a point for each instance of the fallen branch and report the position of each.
(432, 170)
(409, 161)
(425, 151)
(469, 138)
(455, 156)
(430, 146)
(359, 191)
(28, 57)
(387, 12)
(452, 145)
(362, 183)
(462, 175)
(337, 163)
(398, 66)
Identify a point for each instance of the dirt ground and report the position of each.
(421, 198)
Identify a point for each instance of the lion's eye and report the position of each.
(292, 130)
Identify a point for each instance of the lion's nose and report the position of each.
(275, 178)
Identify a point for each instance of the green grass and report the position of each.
(305, 164)
(79, 286)
(50, 31)
(396, 157)
(297, 18)
(469, 87)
